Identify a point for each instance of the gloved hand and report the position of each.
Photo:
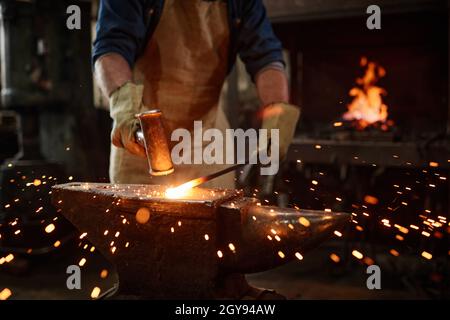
(124, 103)
(284, 117)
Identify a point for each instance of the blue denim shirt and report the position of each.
(124, 27)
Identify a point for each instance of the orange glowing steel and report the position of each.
(183, 189)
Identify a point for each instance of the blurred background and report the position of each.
(390, 172)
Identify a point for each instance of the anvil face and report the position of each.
(154, 193)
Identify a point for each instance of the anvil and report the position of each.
(197, 247)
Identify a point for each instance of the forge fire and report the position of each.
(212, 151)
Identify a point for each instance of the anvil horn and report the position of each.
(272, 236)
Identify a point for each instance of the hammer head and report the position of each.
(152, 137)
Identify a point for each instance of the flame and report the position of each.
(183, 189)
(367, 107)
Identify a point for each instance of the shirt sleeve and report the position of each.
(121, 28)
(257, 44)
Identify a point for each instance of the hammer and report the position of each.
(152, 137)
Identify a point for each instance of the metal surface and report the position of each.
(153, 138)
(182, 249)
(268, 232)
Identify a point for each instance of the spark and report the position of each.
(232, 247)
(277, 238)
(219, 254)
(95, 293)
(394, 252)
(337, 233)
(83, 235)
(427, 255)
(298, 256)
(304, 222)
(371, 200)
(401, 229)
(143, 215)
(357, 254)
(335, 257)
(117, 234)
(433, 164)
(82, 262)
(104, 274)
(5, 293)
(281, 254)
(206, 236)
(369, 261)
(172, 229)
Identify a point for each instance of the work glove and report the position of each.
(124, 103)
(284, 117)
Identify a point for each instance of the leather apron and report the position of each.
(183, 70)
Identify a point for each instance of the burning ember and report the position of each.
(367, 108)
